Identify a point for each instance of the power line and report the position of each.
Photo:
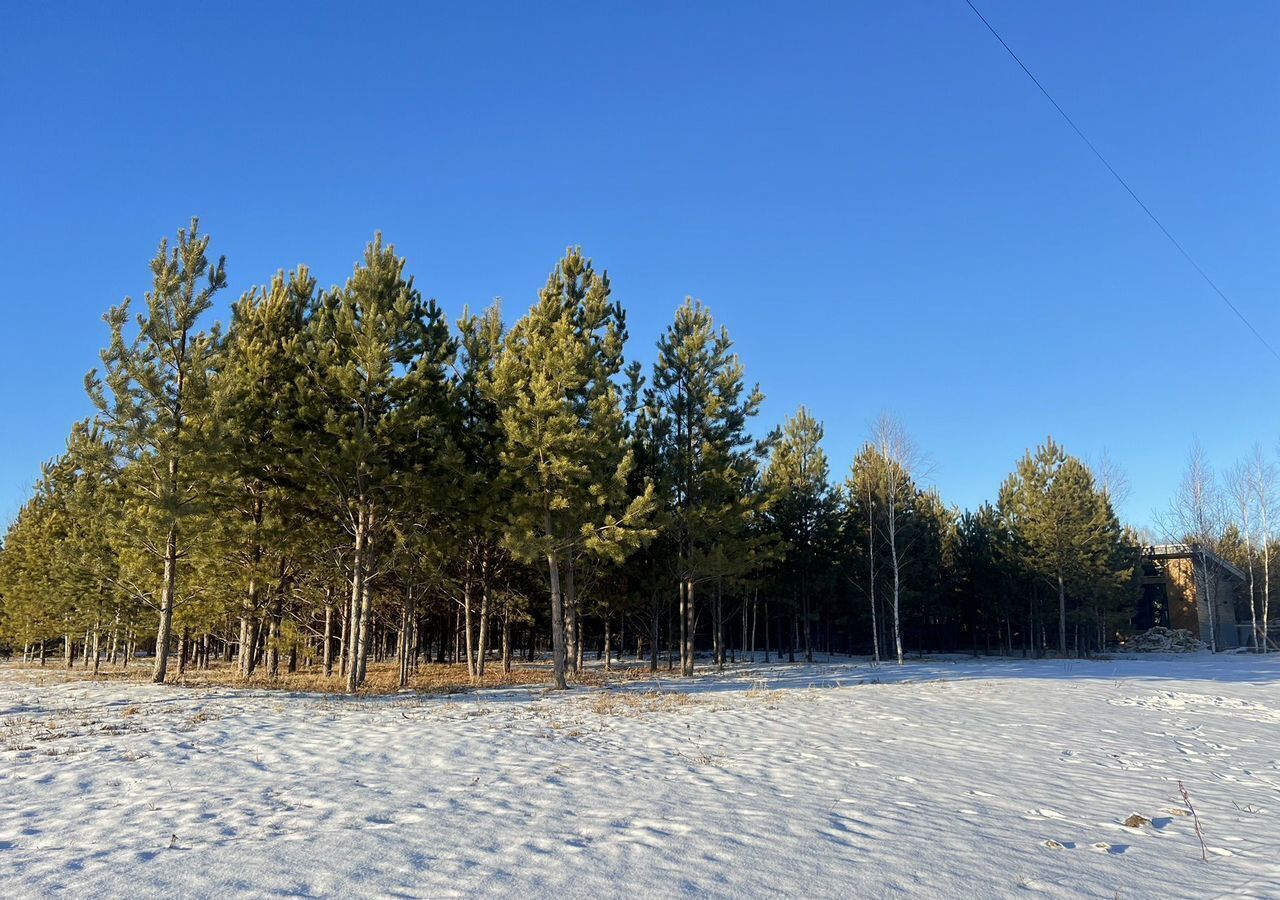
(1124, 184)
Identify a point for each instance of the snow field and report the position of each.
(951, 778)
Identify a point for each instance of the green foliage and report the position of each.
(152, 383)
(566, 454)
(708, 459)
(342, 471)
(1064, 528)
(374, 399)
(802, 509)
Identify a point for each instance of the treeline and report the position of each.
(345, 474)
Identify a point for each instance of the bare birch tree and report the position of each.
(1240, 483)
(1263, 481)
(901, 460)
(1196, 517)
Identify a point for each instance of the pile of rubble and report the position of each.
(1163, 640)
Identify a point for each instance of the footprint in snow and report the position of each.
(1059, 845)
(1113, 849)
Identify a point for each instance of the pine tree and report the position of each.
(254, 436)
(860, 534)
(480, 486)
(803, 511)
(375, 401)
(566, 455)
(82, 487)
(708, 457)
(147, 393)
(1064, 526)
(976, 573)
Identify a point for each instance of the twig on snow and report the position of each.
(1186, 798)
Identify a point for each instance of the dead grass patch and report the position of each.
(382, 678)
(631, 703)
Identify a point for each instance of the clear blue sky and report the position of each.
(878, 204)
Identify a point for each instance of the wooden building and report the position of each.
(1179, 581)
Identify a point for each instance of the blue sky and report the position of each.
(877, 203)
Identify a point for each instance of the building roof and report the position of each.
(1188, 551)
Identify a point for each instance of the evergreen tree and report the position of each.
(255, 435)
(150, 387)
(1064, 526)
(803, 511)
(860, 532)
(480, 488)
(708, 457)
(976, 573)
(375, 402)
(566, 456)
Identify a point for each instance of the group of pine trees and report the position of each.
(344, 476)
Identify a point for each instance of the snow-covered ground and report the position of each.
(942, 779)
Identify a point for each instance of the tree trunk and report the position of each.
(717, 630)
(408, 649)
(469, 638)
(506, 643)
(354, 646)
(1062, 616)
(167, 597)
(573, 627)
(897, 623)
(871, 581)
(1266, 583)
(692, 631)
(114, 644)
(273, 639)
(557, 624)
(365, 634)
(327, 652)
(97, 639)
(482, 644)
(1209, 598)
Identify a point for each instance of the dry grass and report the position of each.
(382, 678)
(632, 703)
(761, 693)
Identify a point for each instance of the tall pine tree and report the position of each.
(147, 394)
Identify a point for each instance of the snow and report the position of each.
(945, 778)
